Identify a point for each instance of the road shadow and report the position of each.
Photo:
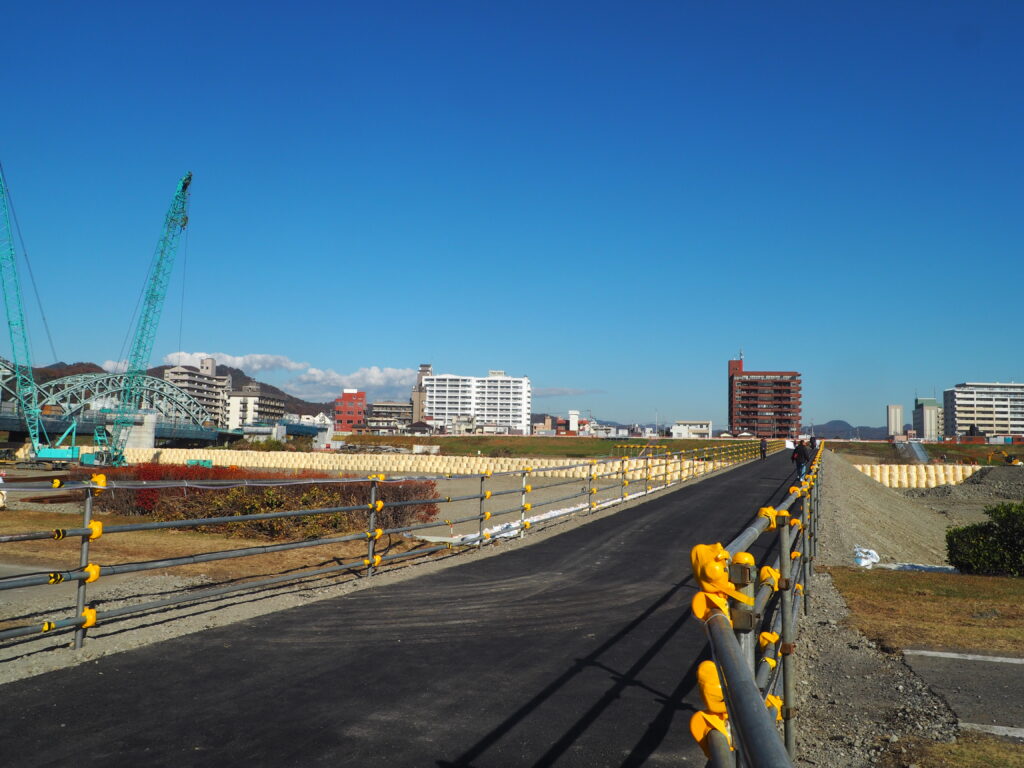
(671, 702)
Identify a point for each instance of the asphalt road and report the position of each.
(578, 650)
(982, 692)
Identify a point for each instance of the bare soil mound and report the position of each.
(859, 512)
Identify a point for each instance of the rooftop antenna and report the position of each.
(741, 353)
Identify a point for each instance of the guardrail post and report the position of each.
(624, 481)
(788, 639)
(83, 561)
(372, 540)
(483, 493)
(522, 508)
(591, 488)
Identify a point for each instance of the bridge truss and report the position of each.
(75, 394)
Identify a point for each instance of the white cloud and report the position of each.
(378, 383)
(251, 364)
(564, 392)
(114, 366)
(312, 384)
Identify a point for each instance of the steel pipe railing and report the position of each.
(656, 471)
(733, 612)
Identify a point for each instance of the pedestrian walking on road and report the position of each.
(802, 457)
(764, 449)
(814, 443)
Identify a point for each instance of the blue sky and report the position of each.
(611, 198)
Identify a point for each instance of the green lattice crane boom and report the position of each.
(149, 319)
(21, 352)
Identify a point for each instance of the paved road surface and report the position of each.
(578, 650)
(984, 692)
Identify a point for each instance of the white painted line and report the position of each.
(964, 656)
(995, 730)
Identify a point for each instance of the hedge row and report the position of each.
(993, 548)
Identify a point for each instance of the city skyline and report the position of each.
(610, 200)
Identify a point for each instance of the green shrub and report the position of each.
(993, 548)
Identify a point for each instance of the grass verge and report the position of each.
(942, 611)
(530, 446)
(970, 750)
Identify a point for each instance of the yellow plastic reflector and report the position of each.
(89, 614)
(703, 723)
(711, 688)
(94, 572)
(767, 638)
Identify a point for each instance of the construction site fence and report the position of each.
(498, 512)
(750, 613)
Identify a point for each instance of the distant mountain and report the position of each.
(60, 370)
(843, 430)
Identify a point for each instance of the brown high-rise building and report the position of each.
(764, 403)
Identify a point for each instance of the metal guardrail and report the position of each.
(602, 476)
(750, 617)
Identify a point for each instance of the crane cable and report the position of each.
(28, 263)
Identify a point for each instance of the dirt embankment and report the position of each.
(856, 511)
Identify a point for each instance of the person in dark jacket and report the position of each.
(764, 448)
(802, 457)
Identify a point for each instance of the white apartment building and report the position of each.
(252, 405)
(991, 407)
(685, 430)
(204, 385)
(894, 419)
(495, 402)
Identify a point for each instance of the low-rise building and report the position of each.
(389, 416)
(686, 430)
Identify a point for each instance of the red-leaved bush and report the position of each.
(192, 503)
